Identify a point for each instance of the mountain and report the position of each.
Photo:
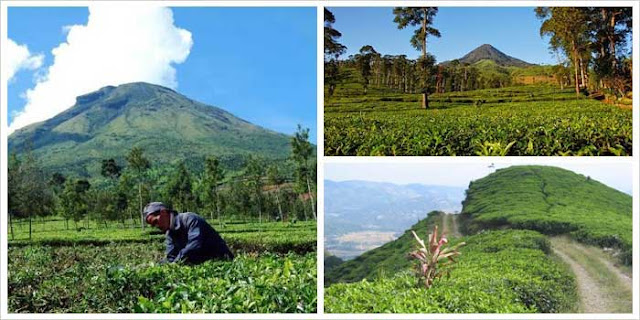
(107, 123)
(488, 52)
(552, 201)
(364, 214)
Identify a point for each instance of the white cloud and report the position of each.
(119, 44)
(18, 57)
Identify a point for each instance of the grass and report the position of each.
(523, 120)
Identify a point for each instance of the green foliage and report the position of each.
(552, 201)
(121, 279)
(518, 121)
(113, 270)
(498, 272)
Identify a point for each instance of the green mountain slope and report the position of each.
(553, 201)
(489, 52)
(107, 123)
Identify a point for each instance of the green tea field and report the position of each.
(520, 121)
(116, 270)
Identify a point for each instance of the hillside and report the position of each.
(489, 52)
(552, 201)
(167, 125)
(507, 271)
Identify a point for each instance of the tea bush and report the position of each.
(123, 278)
(498, 272)
(116, 270)
(527, 120)
(553, 201)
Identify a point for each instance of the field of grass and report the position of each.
(521, 120)
(116, 270)
(505, 271)
(553, 201)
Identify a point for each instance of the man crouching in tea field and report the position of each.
(189, 238)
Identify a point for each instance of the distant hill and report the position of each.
(387, 208)
(552, 201)
(388, 258)
(107, 123)
(489, 53)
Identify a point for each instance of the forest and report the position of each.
(260, 190)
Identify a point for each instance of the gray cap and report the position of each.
(152, 208)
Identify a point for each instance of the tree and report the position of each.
(332, 50)
(110, 169)
(213, 175)
(29, 193)
(139, 165)
(422, 16)
(364, 61)
(301, 152)
(73, 200)
(179, 188)
(254, 173)
(274, 176)
(567, 28)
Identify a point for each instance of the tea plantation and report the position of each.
(498, 272)
(274, 271)
(508, 264)
(519, 121)
(552, 201)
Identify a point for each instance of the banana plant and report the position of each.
(434, 260)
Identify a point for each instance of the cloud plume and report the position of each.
(119, 44)
(18, 58)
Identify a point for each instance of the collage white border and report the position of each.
(634, 161)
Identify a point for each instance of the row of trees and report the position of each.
(592, 39)
(263, 190)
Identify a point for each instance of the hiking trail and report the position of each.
(602, 286)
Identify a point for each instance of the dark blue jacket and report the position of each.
(192, 240)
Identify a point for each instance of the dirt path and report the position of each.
(602, 287)
(450, 225)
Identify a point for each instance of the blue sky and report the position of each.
(512, 30)
(257, 63)
(457, 173)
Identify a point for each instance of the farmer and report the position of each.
(189, 238)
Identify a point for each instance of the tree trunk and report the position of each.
(425, 101)
(218, 208)
(140, 205)
(313, 207)
(575, 68)
(11, 227)
(29, 225)
(582, 74)
(278, 202)
(131, 215)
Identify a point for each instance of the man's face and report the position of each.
(161, 220)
